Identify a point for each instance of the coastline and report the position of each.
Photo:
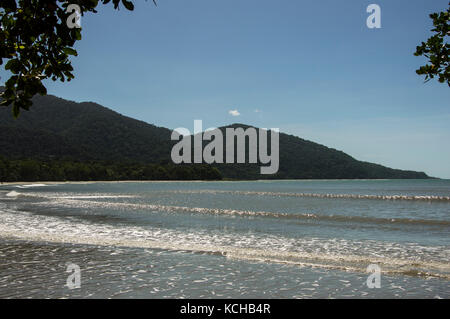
(98, 226)
(200, 181)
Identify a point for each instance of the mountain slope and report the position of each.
(302, 159)
(56, 129)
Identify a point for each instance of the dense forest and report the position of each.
(64, 140)
(30, 170)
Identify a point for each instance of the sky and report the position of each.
(310, 68)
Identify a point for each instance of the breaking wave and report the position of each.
(58, 196)
(26, 226)
(318, 195)
(349, 255)
(32, 185)
(71, 202)
(13, 194)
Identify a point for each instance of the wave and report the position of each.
(83, 201)
(91, 196)
(59, 196)
(13, 194)
(319, 195)
(32, 185)
(352, 263)
(348, 255)
(249, 213)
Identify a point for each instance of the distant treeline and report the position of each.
(30, 170)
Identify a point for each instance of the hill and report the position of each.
(56, 129)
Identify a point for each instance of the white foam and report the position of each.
(410, 259)
(69, 201)
(69, 196)
(91, 196)
(318, 195)
(13, 194)
(31, 185)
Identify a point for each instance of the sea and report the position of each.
(226, 239)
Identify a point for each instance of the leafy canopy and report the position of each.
(436, 49)
(36, 44)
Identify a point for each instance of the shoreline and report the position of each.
(201, 181)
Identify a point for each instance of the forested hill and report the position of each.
(57, 130)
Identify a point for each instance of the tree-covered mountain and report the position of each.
(56, 129)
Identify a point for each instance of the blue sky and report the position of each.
(311, 68)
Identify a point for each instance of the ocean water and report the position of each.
(258, 239)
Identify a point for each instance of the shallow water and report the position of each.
(262, 239)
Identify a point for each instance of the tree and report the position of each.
(36, 43)
(436, 49)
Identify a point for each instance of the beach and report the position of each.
(247, 239)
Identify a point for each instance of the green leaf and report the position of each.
(12, 81)
(78, 34)
(70, 51)
(13, 65)
(128, 4)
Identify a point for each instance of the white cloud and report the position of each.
(257, 111)
(234, 113)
